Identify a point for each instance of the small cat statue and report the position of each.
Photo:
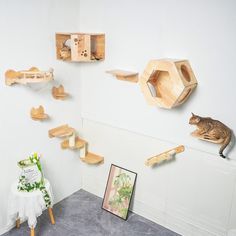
(211, 130)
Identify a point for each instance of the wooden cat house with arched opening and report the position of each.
(167, 83)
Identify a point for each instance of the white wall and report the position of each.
(195, 195)
(28, 39)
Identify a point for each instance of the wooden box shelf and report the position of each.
(92, 159)
(124, 75)
(167, 83)
(80, 47)
(33, 75)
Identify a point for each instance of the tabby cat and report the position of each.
(211, 130)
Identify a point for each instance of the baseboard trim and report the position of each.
(178, 223)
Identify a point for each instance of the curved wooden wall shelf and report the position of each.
(61, 131)
(33, 75)
(59, 93)
(165, 156)
(38, 113)
(167, 83)
(92, 159)
(124, 75)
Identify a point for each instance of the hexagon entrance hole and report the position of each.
(159, 85)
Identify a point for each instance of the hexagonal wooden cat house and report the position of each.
(167, 83)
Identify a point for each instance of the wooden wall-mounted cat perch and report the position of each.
(80, 47)
(38, 113)
(59, 93)
(61, 131)
(167, 83)
(33, 75)
(165, 156)
(124, 75)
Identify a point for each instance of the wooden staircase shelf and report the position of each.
(33, 75)
(61, 131)
(79, 143)
(92, 159)
(124, 75)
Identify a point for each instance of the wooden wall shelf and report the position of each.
(80, 47)
(165, 156)
(124, 75)
(92, 159)
(79, 143)
(33, 75)
(167, 83)
(38, 113)
(59, 93)
(61, 131)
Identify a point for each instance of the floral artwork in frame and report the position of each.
(119, 191)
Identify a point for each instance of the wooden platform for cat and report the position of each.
(124, 75)
(61, 131)
(80, 47)
(38, 113)
(59, 92)
(167, 83)
(92, 159)
(33, 75)
(165, 156)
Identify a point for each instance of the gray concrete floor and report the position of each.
(81, 215)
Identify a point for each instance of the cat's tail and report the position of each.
(225, 144)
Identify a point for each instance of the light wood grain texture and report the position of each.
(61, 131)
(59, 92)
(32, 232)
(124, 75)
(84, 47)
(33, 75)
(38, 113)
(92, 159)
(18, 223)
(167, 155)
(51, 216)
(79, 143)
(167, 83)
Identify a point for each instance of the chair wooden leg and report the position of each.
(32, 232)
(18, 223)
(50, 212)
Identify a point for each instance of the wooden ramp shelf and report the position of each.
(33, 75)
(38, 113)
(61, 131)
(80, 47)
(78, 144)
(167, 83)
(124, 75)
(92, 159)
(59, 93)
(165, 156)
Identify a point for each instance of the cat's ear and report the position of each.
(192, 114)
